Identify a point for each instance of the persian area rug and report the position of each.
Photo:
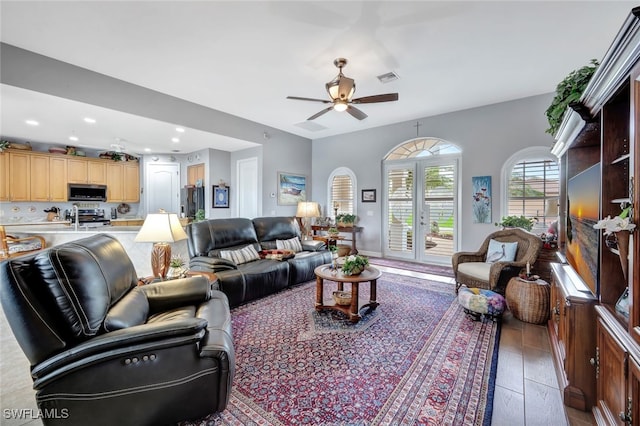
(446, 271)
(416, 359)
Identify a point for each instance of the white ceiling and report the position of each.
(244, 58)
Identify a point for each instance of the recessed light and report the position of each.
(73, 138)
(147, 150)
(32, 122)
(175, 140)
(179, 129)
(89, 120)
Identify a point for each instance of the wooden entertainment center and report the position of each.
(596, 345)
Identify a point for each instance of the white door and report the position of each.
(420, 202)
(248, 188)
(162, 187)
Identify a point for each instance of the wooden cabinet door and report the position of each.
(4, 176)
(131, 190)
(634, 391)
(96, 172)
(611, 382)
(20, 183)
(39, 185)
(195, 173)
(115, 183)
(58, 179)
(77, 171)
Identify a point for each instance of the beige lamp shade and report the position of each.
(161, 228)
(308, 209)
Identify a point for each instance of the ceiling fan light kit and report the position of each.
(341, 90)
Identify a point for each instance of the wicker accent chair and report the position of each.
(11, 246)
(471, 269)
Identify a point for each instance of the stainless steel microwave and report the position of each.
(86, 192)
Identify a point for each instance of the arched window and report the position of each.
(342, 189)
(422, 147)
(531, 178)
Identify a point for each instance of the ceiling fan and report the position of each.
(341, 90)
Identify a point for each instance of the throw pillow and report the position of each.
(290, 244)
(243, 255)
(500, 251)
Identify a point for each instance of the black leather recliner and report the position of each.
(105, 351)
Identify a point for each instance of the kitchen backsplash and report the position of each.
(35, 212)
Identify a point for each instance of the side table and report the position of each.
(528, 301)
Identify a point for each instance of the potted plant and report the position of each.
(345, 219)
(176, 268)
(199, 215)
(354, 264)
(516, 222)
(333, 231)
(568, 92)
(4, 145)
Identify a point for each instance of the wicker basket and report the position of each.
(528, 301)
(342, 297)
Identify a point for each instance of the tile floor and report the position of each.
(526, 390)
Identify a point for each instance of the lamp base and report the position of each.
(160, 259)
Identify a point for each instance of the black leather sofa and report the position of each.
(105, 351)
(249, 281)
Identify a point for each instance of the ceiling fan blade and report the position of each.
(297, 98)
(387, 97)
(324, 111)
(356, 113)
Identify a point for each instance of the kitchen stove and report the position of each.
(92, 218)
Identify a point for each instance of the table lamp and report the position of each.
(307, 210)
(162, 229)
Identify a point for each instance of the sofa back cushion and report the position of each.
(82, 279)
(208, 237)
(270, 229)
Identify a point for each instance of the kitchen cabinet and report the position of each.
(20, 176)
(195, 173)
(4, 176)
(82, 170)
(123, 182)
(48, 178)
(97, 172)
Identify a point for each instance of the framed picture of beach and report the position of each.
(292, 188)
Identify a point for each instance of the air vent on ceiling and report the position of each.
(388, 77)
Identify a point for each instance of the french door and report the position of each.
(420, 199)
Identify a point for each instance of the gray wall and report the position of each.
(487, 135)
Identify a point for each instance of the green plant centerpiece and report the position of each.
(177, 268)
(568, 92)
(354, 264)
(345, 219)
(4, 145)
(516, 222)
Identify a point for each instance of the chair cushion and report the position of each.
(290, 244)
(23, 246)
(240, 256)
(501, 251)
(481, 301)
(477, 270)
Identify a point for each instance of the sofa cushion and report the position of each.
(501, 251)
(240, 256)
(129, 311)
(290, 244)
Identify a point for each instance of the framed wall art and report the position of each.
(292, 188)
(481, 199)
(368, 195)
(220, 197)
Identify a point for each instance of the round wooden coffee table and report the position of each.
(325, 272)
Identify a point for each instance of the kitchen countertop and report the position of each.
(26, 222)
(60, 229)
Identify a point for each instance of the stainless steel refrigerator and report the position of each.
(191, 200)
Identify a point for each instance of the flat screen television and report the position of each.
(582, 240)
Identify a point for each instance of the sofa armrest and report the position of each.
(211, 264)
(165, 295)
(313, 245)
(118, 343)
(466, 256)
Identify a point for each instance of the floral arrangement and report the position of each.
(354, 264)
(622, 222)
